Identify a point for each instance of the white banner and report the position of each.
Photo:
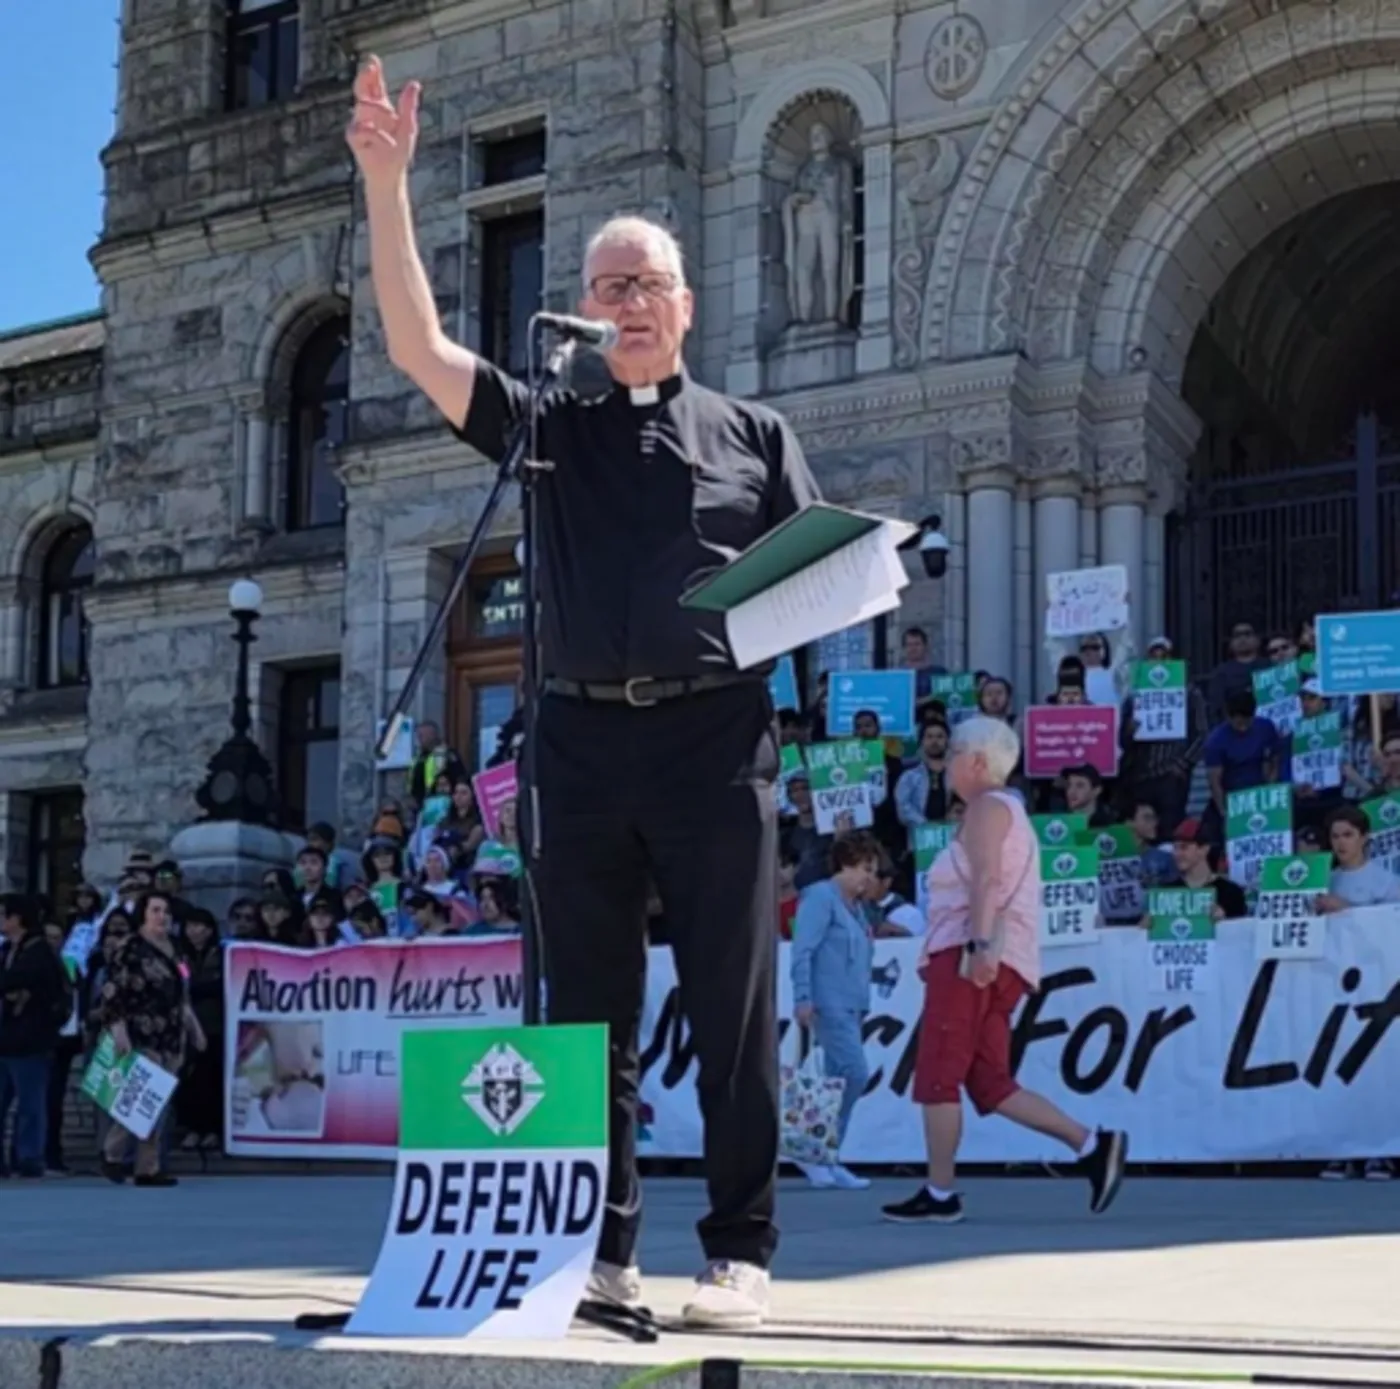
(1282, 1060)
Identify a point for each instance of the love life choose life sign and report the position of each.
(501, 1180)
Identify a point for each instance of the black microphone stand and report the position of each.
(519, 465)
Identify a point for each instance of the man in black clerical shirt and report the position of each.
(655, 756)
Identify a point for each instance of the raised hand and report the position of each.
(382, 136)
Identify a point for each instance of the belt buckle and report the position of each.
(630, 695)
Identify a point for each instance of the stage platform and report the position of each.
(199, 1287)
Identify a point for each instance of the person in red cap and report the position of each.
(1196, 860)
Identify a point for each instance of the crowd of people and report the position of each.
(145, 966)
(849, 885)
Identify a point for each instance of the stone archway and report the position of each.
(1106, 115)
(1149, 148)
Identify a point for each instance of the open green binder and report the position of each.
(802, 540)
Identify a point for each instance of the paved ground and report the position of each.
(1289, 1277)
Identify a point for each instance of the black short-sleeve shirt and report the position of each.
(649, 492)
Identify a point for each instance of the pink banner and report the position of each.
(312, 1036)
(1069, 735)
(493, 789)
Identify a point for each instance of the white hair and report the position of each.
(991, 739)
(636, 231)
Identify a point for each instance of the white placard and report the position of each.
(1080, 601)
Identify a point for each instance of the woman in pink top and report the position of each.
(981, 957)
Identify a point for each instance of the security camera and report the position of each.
(933, 547)
(520, 554)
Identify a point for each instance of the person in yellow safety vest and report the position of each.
(433, 759)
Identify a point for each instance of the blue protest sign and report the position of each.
(782, 685)
(1358, 653)
(889, 694)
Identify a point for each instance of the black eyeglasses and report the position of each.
(617, 289)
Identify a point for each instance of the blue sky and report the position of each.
(56, 105)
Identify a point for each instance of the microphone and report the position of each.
(591, 331)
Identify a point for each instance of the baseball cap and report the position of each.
(1311, 687)
(1190, 831)
(1161, 641)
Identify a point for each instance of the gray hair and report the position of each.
(991, 739)
(636, 231)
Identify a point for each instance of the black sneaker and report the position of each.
(114, 1172)
(924, 1208)
(1104, 1168)
(154, 1179)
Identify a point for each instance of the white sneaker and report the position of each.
(729, 1296)
(1337, 1172)
(611, 1283)
(845, 1180)
(1378, 1170)
(819, 1177)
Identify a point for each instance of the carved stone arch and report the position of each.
(48, 514)
(60, 496)
(294, 319)
(1169, 268)
(1110, 106)
(853, 85)
(835, 75)
(1096, 54)
(263, 451)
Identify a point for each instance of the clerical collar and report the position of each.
(654, 395)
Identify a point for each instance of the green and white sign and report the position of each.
(1120, 874)
(1159, 701)
(130, 1088)
(842, 789)
(1065, 831)
(1181, 940)
(1258, 825)
(1317, 751)
(1069, 895)
(1384, 815)
(956, 693)
(1276, 693)
(501, 1184)
(1288, 924)
(930, 840)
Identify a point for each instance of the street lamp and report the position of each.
(238, 782)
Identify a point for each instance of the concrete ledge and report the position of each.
(219, 1363)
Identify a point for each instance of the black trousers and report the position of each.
(679, 794)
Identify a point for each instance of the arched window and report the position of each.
(63, 630)
(317, 427)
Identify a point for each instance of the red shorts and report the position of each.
(965, 1036)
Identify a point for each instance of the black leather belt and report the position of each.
(642, 691)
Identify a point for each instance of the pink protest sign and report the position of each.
(493, 789)
(1069, 735)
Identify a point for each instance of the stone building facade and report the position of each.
(1058, 271)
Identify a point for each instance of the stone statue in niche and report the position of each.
(819, 233)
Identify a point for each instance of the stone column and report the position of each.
(1088, 534)
(1154, 578)
(1057, 548)
(955, 583)
(13, 675)
(743, 374)
(1121, 542)
(256, 465)
(1025, 604)
(990, 548)
(875, 349)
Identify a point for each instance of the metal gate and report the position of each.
(1273, 548)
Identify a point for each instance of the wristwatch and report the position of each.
(979, 947)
